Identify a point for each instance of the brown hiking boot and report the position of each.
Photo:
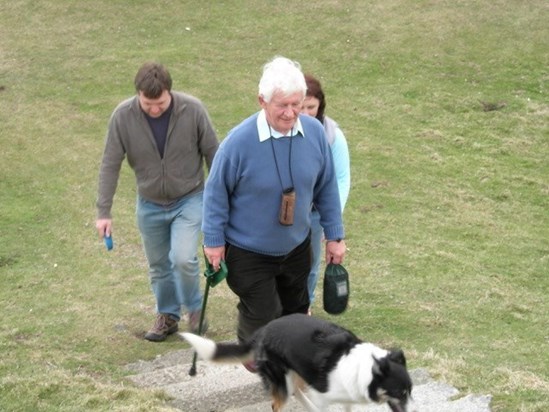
(194, 323)
(163, 326)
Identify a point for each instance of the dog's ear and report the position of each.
(333, 341)
(381, 366)
(337, 340)
(397, 356)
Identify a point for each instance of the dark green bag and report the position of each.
(336, 289)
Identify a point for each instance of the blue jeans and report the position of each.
(170, 238)
(316, 252)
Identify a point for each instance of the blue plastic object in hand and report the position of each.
(108, 242)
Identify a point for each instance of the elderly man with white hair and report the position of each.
(267, 174)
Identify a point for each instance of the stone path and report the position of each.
(230, 388)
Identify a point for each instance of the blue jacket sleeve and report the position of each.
(216, 200)
(342, 166)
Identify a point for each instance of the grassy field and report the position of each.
(445, 106)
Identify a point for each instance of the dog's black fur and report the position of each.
(308, 357)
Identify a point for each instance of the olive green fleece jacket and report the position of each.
(191, 139)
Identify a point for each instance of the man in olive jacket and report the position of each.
(166, 136)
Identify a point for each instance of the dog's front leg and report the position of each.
(278, 400)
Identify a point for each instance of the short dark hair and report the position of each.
(152, 79)
(314, 89)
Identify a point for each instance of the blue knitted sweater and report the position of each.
(243, 192)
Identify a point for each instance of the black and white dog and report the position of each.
(318, 362)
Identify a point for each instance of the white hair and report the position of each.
(281, 75)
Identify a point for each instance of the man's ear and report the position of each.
(261, 101)
(381, 366)
(397, 356)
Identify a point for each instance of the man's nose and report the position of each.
(290, 112)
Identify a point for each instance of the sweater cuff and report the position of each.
(104, 213)
(214, 240)
(334, 232)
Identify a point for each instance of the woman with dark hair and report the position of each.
(314, 105)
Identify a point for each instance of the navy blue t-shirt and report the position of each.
(159, 127)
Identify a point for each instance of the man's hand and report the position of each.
(215, 255)
(104, 227)
(335, 251)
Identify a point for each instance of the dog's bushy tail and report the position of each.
(209, 350)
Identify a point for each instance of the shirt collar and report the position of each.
(264, 130)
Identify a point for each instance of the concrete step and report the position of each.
(231, 388)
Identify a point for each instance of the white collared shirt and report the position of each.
(264, 130)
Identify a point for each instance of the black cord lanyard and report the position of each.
(289, 189)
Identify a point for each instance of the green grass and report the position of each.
(447, 222)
